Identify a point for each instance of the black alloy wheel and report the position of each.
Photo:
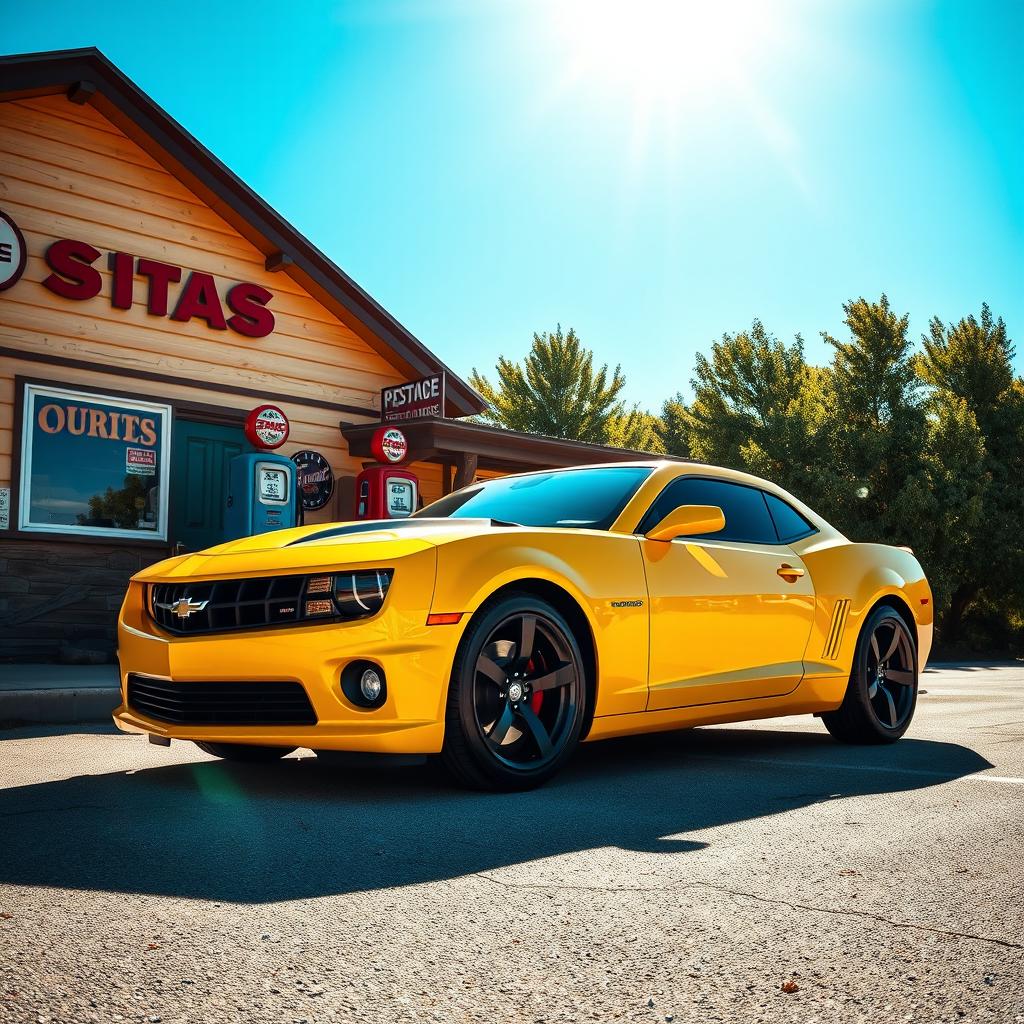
(882, 693)
(518, 696)
(891, 676)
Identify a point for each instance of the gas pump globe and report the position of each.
(261, 484)
(384, 490)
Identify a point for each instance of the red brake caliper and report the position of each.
(537, 697)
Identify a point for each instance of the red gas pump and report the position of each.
(383, 490)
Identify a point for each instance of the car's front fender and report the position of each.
(602, 573)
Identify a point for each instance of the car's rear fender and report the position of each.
(849, 581)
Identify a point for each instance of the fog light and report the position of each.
(370, 685)
(364, 685)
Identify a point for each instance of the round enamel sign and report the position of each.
(12, 252)
(316, 480)
(266, 427)
(389, 445)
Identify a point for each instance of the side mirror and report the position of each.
(688, 521)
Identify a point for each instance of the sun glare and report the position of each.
(660, 52)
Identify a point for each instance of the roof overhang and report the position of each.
(87, 76)
(507, 451)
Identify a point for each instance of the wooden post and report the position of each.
(465, 470)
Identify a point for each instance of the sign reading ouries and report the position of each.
(419, 399)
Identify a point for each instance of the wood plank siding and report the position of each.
(66, 171)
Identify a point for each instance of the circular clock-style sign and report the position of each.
(315, 479)
(12, 252)
(266, 427)
(388, 444)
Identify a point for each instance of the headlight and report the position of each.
(357, 594)
(350, 595)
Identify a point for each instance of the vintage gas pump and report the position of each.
(261, 485)
(261, 495)
(384, 490)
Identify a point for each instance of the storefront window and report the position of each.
(92, 464)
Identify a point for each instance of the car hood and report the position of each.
(327, 545)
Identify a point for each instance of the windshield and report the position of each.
(582, 499)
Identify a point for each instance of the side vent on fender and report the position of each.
(835, 631)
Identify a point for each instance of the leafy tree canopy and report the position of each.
(556, 391)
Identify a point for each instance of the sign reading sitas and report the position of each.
(74, 276)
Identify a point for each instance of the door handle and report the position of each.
(790, 573)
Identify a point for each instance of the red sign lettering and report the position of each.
(74, 277)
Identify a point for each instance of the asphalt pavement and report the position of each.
(680, 877)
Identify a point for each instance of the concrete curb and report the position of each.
(58, 693)
(58, 706)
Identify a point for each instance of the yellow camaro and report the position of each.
(510, 620)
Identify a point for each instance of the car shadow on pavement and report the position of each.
(298, 829)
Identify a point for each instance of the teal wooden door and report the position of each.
(199, 481)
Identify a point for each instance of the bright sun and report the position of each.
(664, 53)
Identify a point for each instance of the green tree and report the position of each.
(555, 391)
(757, 406)
(978, 495)
(879, 423)
(673, 427)
(637, 430)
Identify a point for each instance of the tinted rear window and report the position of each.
(790, 524)
(575, 499)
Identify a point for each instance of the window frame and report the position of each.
(27, 393)
(778, 542)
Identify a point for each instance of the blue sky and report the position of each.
(653, 174)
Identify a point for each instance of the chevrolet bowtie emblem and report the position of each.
(183, 607)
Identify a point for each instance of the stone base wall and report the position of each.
(59, 600)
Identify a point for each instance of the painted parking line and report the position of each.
(1006, 780)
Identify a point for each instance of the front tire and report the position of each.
(881, 696)
(517, 699)
(248, 752)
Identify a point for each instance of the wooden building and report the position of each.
(148, 301)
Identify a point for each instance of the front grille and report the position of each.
(221, 605)
(232, 703)
(217, 606)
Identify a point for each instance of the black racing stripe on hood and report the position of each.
(382, 525)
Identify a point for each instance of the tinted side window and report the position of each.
(790, 524)
(746, 515)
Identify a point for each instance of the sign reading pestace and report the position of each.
(388, 444)
(267, 427)
(12, 252)
(416, 400)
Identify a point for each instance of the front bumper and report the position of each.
(416, 659)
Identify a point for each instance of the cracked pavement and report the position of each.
(677, 877)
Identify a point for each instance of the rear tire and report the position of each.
(881, 696)
(517, 700)
(249, 752)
